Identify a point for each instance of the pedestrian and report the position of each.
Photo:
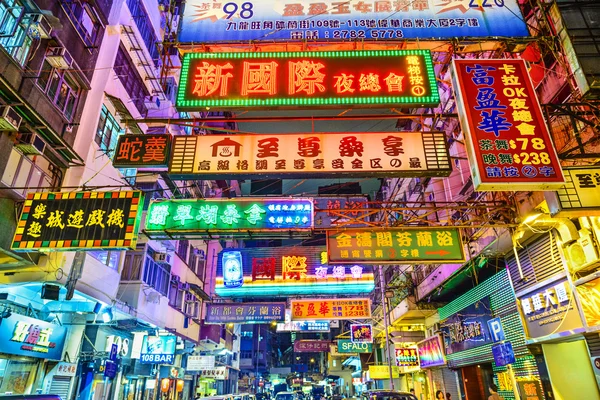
(412, 391)
(439, 395)
(448, 396)
(494, 393)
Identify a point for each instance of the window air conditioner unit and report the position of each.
(175, 278)
(160, 257)
(152, 102)
(583, 254)
(184, 286)
(59, 58)
(40, 27)
(31, 144)
(10, 120)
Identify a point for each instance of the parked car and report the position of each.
(221, 397)
(387, 395)
(31, 397)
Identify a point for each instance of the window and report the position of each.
(14, 25)
(84, 19)
(191, 306)
(196, 261)
(130, 78)
(61, 89)
(109, 258)
(182, 249)
(175, 293)
(156, 275)
(132, 266)
(144, 25)
(108, 131)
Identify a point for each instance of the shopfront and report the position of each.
(469, 328)
(29, 347)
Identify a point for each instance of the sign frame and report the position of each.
(351, 236)
(361, 333)
(520, 139)
(149, 147)
(165, 356)
(347, 308)
(427, 345)
(275, 312)
(15, 337)
(267, 100)
(353, 347)
(304, 154)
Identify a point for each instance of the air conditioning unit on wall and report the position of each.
(31, 144)
(40, 26)
(59, 58)
(10, 120)
(583, 254)
(160, 257)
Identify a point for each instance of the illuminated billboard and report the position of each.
(287, 271)
(158, 350)
(331, 308)
(508, 143)
(142, 151)
(301, 155)
(64, 221)
(307, 79)
(330, 20)
(170, 218)
(245, 313)
(395, 245)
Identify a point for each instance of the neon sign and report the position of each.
(285, 271)
(217, 215)
(307, 79)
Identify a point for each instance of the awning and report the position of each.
(124, 114)
(198, 290)
(34, 122)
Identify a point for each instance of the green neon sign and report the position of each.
(367, 78)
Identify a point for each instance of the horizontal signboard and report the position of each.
(361, 333)
(311, 154)
(468, 328)
(307, 346)
(348, 346)
(78, 220)
(222, 313)
(287, 271)
(223, 215)
(24, 336)
(358, 308)
(158, 350)
(307, 79)
(200, 363)
(581, 190)
(383, 372)
(330, 20)
(395, 245)
(508, 143)
(142, 151)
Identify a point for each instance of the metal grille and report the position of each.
(450, 383)
(539, 260)
(593, 342)
(60, 385)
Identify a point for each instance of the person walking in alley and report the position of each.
(494, 393)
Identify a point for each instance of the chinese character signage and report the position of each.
(158, 350)
(311, 154)
(200, 363)
(287, 271)
(205, 21)
(308, 346)
(581, 190)
(431, 352)
(304, 326)
(549, 310)
(508, 142)
(78, 220)
(468, 328)
(142, 151)
(217, 373)
(24, 336)
(503, 354)
(358, 308)
(361, 333)
(589, 298)
(222, 313)
(530, 389)
(348, 346)
(182, 217)
(307, 79)
(395, 245)
(340, 211)
(407, 357)
(383, 372)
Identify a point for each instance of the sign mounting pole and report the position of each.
(386, 324)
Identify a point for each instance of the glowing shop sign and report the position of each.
(312, 154)
(330, 309)
(242, 21)
(78, 220)
(287, 271)
(307, 79)
(361, 333)
(217, 215)
(508, 142)
(407, 357)
(395, 245)
(431, 352)
(142, 151)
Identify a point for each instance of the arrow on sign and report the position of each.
(441, 253)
